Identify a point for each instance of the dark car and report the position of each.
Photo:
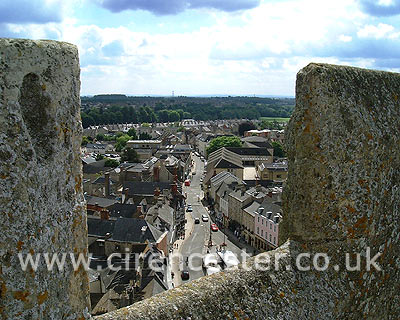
(196, 220)
(185, 275)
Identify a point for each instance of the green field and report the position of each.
(275, 119)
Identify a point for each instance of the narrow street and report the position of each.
(197, 236)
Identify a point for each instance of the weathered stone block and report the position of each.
(343, 188)
(42, 205)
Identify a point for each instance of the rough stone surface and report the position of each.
(342, 196)
(41, 203)
(343, 191)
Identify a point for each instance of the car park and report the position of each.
(204, 218)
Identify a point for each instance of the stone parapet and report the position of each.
(42, 204)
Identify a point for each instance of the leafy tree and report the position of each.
(278, 150)
(145, 124)
(129, 155)
(132, 133)
(163, 115)
(246, 126)
(186, 115)
(85, 141)
(99, 157)
(174, 116)
(100, 137)
(111, 163)
(224, 141)
(121, 142)
(145, 136)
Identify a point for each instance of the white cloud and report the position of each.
(257, 51)
(380, 31)
(345, 38)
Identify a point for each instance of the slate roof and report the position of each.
(95, 167)
(270, 207)
(163, 219)
(99, 228)
(102, 180)
(237, 194)
(223, 158)
(250, 151)
(265, 144)
(130, 230)
(276, 166)
(224, 190)
(223, 176)
(145, 188)
(226, 164)
(122, 210)
(101, 202)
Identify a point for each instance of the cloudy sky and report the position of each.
(195, 47)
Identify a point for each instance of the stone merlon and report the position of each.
(42, 204)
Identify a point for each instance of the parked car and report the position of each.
(189, 208)
(185, 275)
(196, 221)
(214, 227)
(204, 218)
(187, 183)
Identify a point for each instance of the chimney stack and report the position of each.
(139, 211)
(107, 184)
(104, 214)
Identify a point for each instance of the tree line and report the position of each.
(99, 111)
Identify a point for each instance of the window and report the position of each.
(262, 233)
(262, 221)
(274, 228)
(270, 226)
(270, 237)
(258, 230)
(274, 240)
